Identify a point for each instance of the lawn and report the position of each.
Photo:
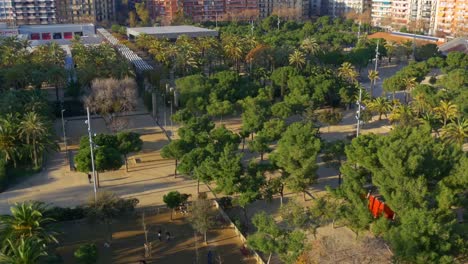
(127, 242)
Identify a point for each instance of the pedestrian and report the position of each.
(168, 235)
(159, 235)
(89, 178)
(210, 257)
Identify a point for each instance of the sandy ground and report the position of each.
(127, 243)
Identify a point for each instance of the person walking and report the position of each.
(89, 178)
(168, 236)
(159, 235)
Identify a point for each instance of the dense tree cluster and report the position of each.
(25, 130)
(421, 178)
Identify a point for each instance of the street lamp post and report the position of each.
(172, 90)
(64, 136)
(92, 154)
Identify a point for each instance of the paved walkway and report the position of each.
(148, 180)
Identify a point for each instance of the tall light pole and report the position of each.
(376, 55)
(358, 113)
(172, 90)
(92, 154)
(65, 137)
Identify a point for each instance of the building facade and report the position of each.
(451, 18)
(291, 9)
(33, 12)
(339, 8)
(414, 15)
(75, 11)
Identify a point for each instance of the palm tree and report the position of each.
(310, 46)
(348, 72)
(297, 59)
(390, 46)
(33, 129)
(23, 251)
(420, 104)
(410, 83)
(26, 221)
(432, 121)
(373, 76)
(380, 105)
(403, 115)
(233, 49)
(446, 110)
(456, 132)
(9, 146)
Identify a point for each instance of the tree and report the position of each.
(348, 72)
(260, 145)
(280, 77)
(143, 14)
(330, 117)
(373, 76)
(26, 221)
(255, 113)
(22, 250)
(403, 115)
(8, 140)
(268, 238)
(296, 154)
(172, 200)
(36, 133)
(380, 105)
(201, 218)
(446, 110)
(297, 59)
(334, 155)
(110, 96)
(176, 149)
(294, 215)
(409, 83)
(310, 46)
(218, 108)
(128, 142)
(456, 132)
(106, 155)
(86, 254)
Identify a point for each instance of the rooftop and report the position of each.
(170, 29)
(173, 31)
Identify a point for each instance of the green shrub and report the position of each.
(86, 254)
(66, 214)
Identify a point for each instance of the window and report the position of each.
(57, 35)
(45, 35)
(67, 35)
(35, 36)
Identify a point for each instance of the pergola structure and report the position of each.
(139, 63)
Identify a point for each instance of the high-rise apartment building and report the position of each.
(24, 12)
(75, 11)
(292, 9)
(415, 15)
(451, 18)
(339, 8)
(6, 14)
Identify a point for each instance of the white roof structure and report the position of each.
(139, 63)
(172, 32)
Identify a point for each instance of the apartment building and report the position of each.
(415, 15)
(451, 18)
(241, 9)
(6, 14)
(25, 12)
(291, 9)
(75, 11)
(339, 8)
